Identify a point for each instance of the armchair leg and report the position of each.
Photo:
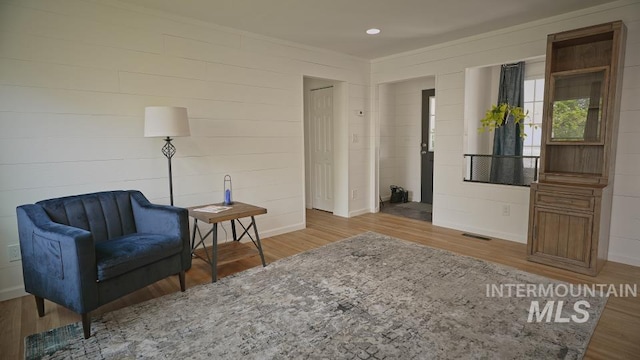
(183, 286)
(40, 305)
(86, 325)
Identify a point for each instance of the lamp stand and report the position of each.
(169, 150)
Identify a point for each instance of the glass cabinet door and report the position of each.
(577, 105)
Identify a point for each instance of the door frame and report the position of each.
(425, 97)
(340, 143)
(374, 122)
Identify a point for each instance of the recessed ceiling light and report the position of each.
(373, 31)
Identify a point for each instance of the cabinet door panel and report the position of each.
(539, 235)
(578, 105)
(550, 233)
(563, 235)
(580, 238)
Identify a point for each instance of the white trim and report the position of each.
(531, 24)
(624, 259)
(12, 293)
(222, 28)
(281, 230)
(359, 212)
(18, 291)
(484, 232)
(374, 147)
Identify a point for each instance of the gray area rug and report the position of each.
(366, 297)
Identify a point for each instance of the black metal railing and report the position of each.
(478, 169)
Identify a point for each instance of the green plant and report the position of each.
(496, 116)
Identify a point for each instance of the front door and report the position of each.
(321, 139)
(426, 148)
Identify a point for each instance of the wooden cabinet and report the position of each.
(570, 207)
(569, 226)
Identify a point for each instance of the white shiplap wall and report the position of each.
(75, 77)
(360, 138)
(478, 207)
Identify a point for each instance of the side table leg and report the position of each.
(233, 230)
(214, 260)
(255, 231)
(193, 237)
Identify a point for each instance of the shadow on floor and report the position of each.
(412, 210)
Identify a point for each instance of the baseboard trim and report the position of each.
(624, 260)
(282, 230)
(481, 231)
(515, 238)
(263, 234)
(359, 212)
(18, 291)
(12, 293)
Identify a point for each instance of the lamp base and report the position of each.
(169, 150)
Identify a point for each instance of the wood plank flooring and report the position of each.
(617, 335)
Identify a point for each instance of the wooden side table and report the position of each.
(226, 252)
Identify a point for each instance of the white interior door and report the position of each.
(321, 121)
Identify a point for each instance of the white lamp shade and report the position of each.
(163, 121)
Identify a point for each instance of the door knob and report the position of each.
(423, 152)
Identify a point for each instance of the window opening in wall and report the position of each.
(478, 164)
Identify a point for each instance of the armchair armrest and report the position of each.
(162, 219)
(58, 261)
(158, 219)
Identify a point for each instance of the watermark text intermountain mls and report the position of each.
(559, 292)
(562, 290)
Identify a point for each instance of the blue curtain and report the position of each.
(507, 140)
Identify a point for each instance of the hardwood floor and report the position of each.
(617, 335)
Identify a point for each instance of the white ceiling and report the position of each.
(340, 25)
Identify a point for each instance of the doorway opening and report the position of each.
(321, 147)
(406, 150)
(326, 170)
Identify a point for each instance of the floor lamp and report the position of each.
(166, 122)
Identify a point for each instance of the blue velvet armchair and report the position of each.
(84, 251)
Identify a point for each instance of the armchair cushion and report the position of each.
(123, 254)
